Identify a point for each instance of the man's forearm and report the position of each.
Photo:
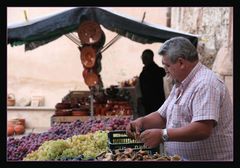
(153, 120)
(193, 132)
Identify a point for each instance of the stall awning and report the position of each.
(38, 32)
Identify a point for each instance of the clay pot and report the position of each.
(91, 78)
(63, 106)
(12, 122)
(10, 130)
(20, 121)
(88, 56)
(89, 32)
(17, 121)
(19, 129)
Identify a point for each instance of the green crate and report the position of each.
(118, 140)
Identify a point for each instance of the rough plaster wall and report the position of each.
(214, 26)
(211, 23)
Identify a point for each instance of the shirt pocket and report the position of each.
(180, 116)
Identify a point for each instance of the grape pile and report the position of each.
(73, 148)
(108, 124)
(78, 158)
(78, 127)
(17, 149)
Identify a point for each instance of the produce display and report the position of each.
(17, 149)
(78, 141)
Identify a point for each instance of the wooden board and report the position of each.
(59, 119)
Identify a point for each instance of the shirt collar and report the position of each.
(183, 85)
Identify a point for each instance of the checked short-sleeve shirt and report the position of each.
(201, 96)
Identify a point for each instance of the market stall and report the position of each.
(85, 118)
(82, 26)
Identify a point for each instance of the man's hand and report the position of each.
(151, 137)
(134, 128)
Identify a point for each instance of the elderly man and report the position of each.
(196, 120)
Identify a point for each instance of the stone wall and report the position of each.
(214, 27)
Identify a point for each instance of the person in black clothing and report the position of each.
(151, 83)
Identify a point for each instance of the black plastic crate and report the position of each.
(119, 140)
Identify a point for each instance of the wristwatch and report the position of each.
(165, 137)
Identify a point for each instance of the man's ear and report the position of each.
(182, 62)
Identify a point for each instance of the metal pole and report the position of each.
(91, 104)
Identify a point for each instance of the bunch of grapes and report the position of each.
(89, 146)
(49, 150)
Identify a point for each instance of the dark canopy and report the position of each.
(39, 32)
